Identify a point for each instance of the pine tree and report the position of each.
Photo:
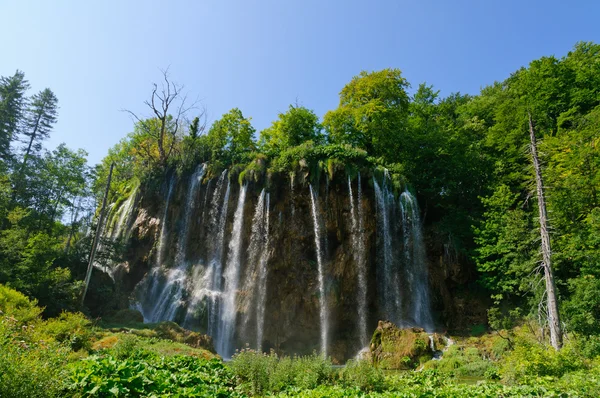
(12, 104)
(41, 115)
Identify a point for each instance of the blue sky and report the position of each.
(260, 56)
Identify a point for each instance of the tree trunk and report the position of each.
(88, 274)
(552, 303)
(73, 225)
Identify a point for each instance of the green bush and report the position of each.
(127, 346)
(71, 328)
(259, 373)
(29, 367)
(363, 375)
(18, 306)
(529, 360)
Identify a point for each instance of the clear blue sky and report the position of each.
(260, 56)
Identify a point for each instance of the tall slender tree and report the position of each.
(41, 116)
(551, 300)
(12, 104)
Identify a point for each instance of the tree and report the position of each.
(372, 113)
(551, 299)
(169, 107)
(292, 128)
(41, 115)
(231, 137)
(12, 104)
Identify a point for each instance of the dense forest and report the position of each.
(466, 158)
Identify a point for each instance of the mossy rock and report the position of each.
(395, 348)
(174, 332)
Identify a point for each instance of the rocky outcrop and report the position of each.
(395, 348)
(291, 323)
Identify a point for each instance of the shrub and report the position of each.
(71, 328)
(18, 306)
(29, 367)
(363, 375)
(259, 373)
(127, 346)
(531, 359)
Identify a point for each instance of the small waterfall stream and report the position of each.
(232, 276)
(125, 213)
(358, 243)
(192, 195)
(323, 310)
(218, 219)
(254, 285)
(261, 300)
(163, 228)
(416, 262)
(389, 286)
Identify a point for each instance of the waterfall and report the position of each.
(323, 313)
(358, 244)
(125, 212)
(218, 218)
(261, 300)
(163, 229)
(415, 262)
(162, 290)
(254, 285)
(387, 276)
(192, 194)
(232, 276)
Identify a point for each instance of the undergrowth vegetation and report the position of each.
(69, 356)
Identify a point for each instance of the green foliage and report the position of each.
(12, 107)
(530, 359)
(152, 376)
(583, 307)
(259, 373)
(70, 328)
(27, 263)
(18, 306)
(231, 138)
(295, 127)
(372, 113)
(362, 375)
(506, 243)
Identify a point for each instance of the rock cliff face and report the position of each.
(240, 262)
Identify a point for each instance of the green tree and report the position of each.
(12, 104)
(372, 113)
(231, 137)
(294, 127)
(41, 116)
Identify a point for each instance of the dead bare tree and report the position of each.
(556, 338)
(169, 107)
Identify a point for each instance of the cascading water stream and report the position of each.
(125, 212)
(192, 194)
(163, 229)
(232, 276)
(416, 262)
(218, 218)
(359, 258)
(386, 277)
(261, 300)
(255, 282)
(162, 290)
(323, 310)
